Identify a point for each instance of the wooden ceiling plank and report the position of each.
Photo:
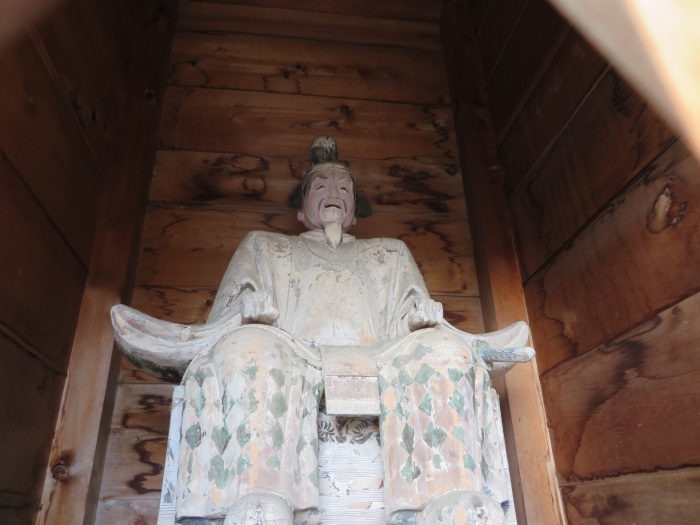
(229, 18)
(308, 67)
(261, 123)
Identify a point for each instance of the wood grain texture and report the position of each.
(634, 260)
(192, 247)
(477, 9)
(259, 123)
(61, 42)
(565, 84)
(128, 511)
(586, 169)
(37, 270)
(139, 434)
(29, 396)
(42, 139)
(612, 410)
(420, 10)
(642, 500)
(108, 34)
(305, 67)
(216, 17)
(500, 17)
(536, 494)
(80, 438)
(429, 185)
(533, 42)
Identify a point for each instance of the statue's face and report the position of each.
(330, 199)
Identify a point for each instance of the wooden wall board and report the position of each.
(637, 258)
(177, 305)
(425, 185)
(499, 20)
(259, 123)
(643, 500)
(419, 10)
(462, 312)
(102, 25)
(572, 74)
(586, 169)
(215, 17)
(37, 272)
(128, 511)
(478, 9)
(192, 247)
(41, 137)
(29, 397)
(14, 516)
(307, 66)
(532, 44)
(136, 449)
(611, 410)
(61, 42)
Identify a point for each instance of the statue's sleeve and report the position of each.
(408, 288)
(248, 271)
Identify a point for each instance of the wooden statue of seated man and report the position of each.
(253, 374)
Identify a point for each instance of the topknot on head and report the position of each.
(324, 148)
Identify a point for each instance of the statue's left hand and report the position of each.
(425, 313)
(258, 307)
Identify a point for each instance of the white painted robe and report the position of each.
(251, 401)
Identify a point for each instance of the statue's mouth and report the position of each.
(332, 205)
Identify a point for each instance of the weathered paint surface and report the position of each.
(298, 310)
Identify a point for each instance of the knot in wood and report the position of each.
(60, 471)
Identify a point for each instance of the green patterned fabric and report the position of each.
(249, 420)
(436, 404)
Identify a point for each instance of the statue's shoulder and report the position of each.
(262, 236)
(384, 243)
(262, 239)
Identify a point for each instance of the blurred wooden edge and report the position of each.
(656, 46)
(15, 15)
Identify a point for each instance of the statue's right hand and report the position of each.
(258, 307)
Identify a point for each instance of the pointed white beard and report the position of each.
(334, 234)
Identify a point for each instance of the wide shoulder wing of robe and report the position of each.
(503, 348)
(164, 349)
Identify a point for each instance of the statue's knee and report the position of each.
(434, 344)
(241, 348)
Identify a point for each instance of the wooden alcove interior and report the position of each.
(139, 140)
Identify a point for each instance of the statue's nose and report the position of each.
(333, 190)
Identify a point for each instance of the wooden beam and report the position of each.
(656, 45)
(499, 275)
(74, 471)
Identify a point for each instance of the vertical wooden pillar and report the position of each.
(74, 471)
(498, 273)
